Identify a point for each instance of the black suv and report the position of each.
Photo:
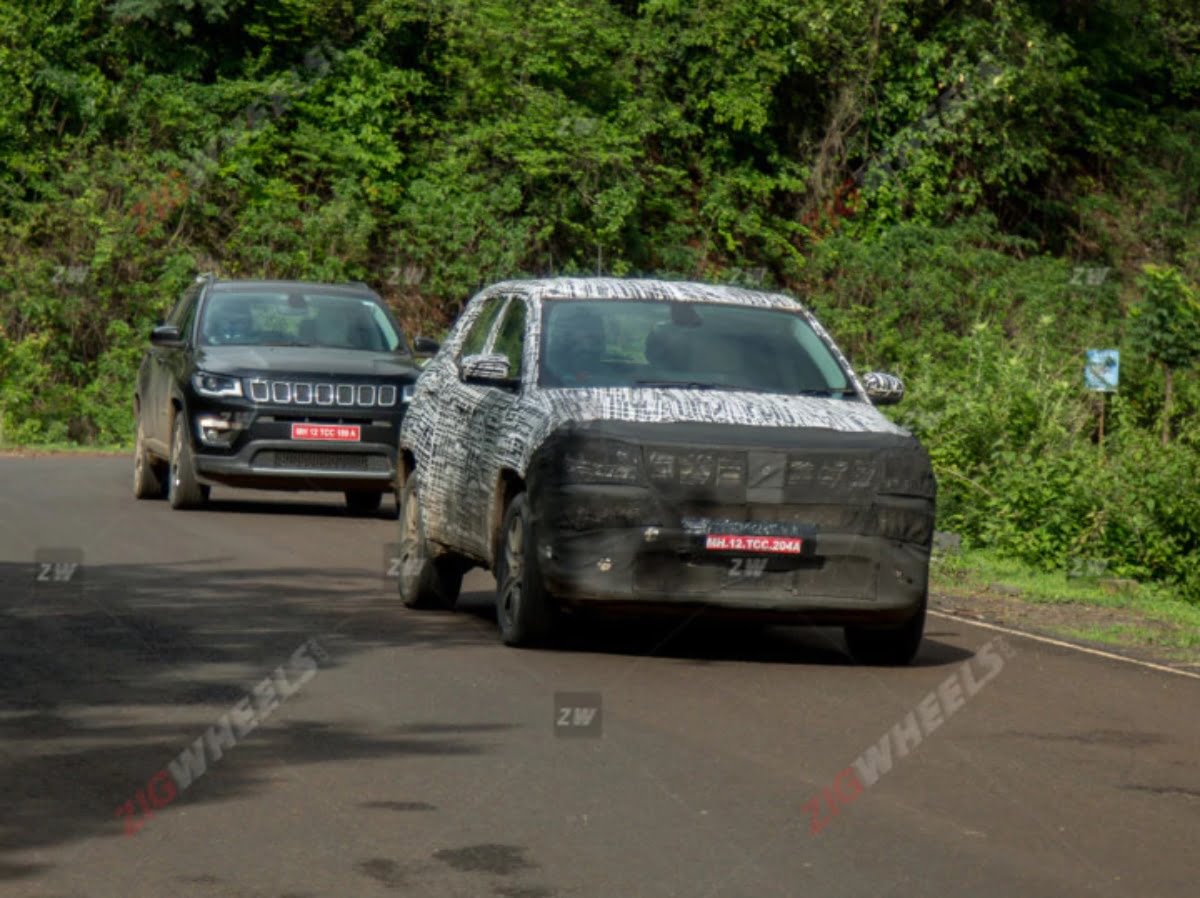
(273, 385)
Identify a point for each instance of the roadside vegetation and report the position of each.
(1080, 603)
(969, 194)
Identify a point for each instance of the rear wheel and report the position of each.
(147, 472)
(524, 609)
(363, 503)
(890, 647)
(424, 581)
(183, 489)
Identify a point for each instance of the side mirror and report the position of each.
(425, 346)
(883, 389)
(489, 370)
(166, 335)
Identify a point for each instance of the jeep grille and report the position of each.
(284, 392)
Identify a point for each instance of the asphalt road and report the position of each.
(384, 751)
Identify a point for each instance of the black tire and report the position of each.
(424, 581)
(147, 471)
(525, 611)
(183, 489)
(363, 503)
(890, 647)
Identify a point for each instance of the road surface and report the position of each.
(248, 669)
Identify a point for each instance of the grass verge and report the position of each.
(1143, 620)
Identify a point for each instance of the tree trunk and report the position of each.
(1168, 392)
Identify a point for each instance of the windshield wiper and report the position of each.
(679, 384)
(285, 343)
(826, 391)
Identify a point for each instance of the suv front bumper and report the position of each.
(606, 547)
(853, 579)
(264, 456)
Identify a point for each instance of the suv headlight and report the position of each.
(910, 521)
(601, 461)
(216, 386)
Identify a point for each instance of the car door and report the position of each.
(173, 361)
(157, 403)
(179, 359)
(444, 478)
(489, 425)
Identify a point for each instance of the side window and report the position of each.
(477, 336)
(188, 317)
(510, 339)
(187, 302)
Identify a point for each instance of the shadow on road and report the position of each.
(108, 677)
(285, 504)
(706, 639)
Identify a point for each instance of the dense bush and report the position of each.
(970, 194)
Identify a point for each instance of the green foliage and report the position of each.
(931, 176)
(1166, 323)
(992, 348)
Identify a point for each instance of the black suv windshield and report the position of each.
(332, 321)
(636, 343)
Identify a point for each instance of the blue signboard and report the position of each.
(1103, 370)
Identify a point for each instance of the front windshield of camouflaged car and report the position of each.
(640, 343)
(327, 321)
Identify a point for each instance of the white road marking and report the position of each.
(1065, 645)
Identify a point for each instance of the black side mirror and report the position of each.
(425, 346)
(166, 335)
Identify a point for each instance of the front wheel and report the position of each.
(524, 609)
(147, 473)
(890, 647)
(183, 489)
(424, 581)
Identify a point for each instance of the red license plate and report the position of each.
(338, 433)
(737, 542)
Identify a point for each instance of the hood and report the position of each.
(670, 406)
(303, 360)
